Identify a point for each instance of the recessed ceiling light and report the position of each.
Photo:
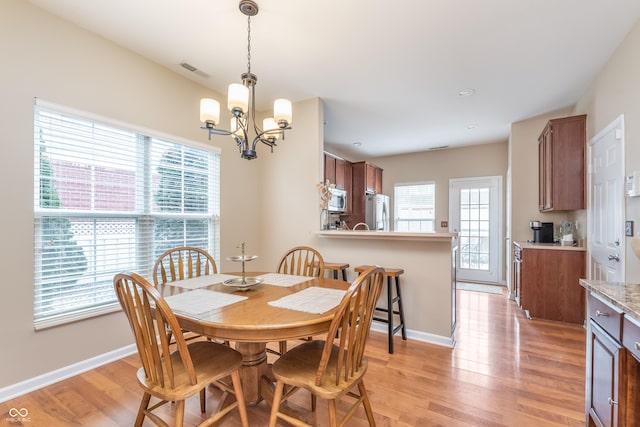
(472, 126)
(466, 92)
(357, 144)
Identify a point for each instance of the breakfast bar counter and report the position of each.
(388, 235)
(428, 281)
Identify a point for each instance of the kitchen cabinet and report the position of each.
(366, 179)
(372, 177)
(549, 284)
(348, 178)
(612, 388)
(335, 171)
(561, 164)
(606, 386)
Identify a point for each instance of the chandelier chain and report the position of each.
(249, 44)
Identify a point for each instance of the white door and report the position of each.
(475, 209)
(606, 204)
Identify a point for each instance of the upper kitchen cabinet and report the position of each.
(335, 170)
(561, 160)
(367, 178)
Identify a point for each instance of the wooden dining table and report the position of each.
(252, 322)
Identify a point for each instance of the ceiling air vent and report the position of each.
(193, 69)
(442, 147)
(188, 66)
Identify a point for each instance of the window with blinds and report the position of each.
(415, 207)
(109, 198)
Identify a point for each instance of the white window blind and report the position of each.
(414, 207)
(108, 199)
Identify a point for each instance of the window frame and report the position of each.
(143, 216)
(397, 206)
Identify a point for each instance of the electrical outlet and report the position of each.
(444, 224)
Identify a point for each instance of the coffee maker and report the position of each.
(542, 231)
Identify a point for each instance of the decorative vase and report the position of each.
(324, 219)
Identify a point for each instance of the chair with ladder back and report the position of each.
(178, 375)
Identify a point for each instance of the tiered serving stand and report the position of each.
(242, 283)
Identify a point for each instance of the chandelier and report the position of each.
(241, 102)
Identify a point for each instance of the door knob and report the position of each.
(614, 258)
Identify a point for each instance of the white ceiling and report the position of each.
(389, 72)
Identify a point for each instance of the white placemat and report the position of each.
(201, 281)
(278, 279)
(201, 300)
(311, 300)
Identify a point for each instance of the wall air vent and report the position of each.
(442, 147)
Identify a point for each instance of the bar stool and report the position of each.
(391, 273)
(335, 268)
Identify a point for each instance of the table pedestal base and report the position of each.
(254, 367)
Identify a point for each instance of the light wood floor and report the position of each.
(504, 371)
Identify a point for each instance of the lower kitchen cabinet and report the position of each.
(612, 387)
(605, 363)
(613, 370)
(549, 284)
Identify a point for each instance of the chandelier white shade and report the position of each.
(241, 104)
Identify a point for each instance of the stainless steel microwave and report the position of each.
(338, 201)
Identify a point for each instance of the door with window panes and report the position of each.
(475, 206)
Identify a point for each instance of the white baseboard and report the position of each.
(440, 340)
(52, 377)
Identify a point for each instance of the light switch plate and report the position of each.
(628, 228)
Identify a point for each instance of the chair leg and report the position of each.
(275, 405)
(390, 313)
(367, 405)
(203, 402)
(179, 418)
(144, 404)
(400, 309)
(242, 407)
(333, 416)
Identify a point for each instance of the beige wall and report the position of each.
(440, 166)
(616, 91)
(50, 59)
(523, 161)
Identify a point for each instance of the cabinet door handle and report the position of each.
(612, 402)
(601, 314)
(637, 345)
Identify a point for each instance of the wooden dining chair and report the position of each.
(332, 368)
(176, 376)
(301, 261)
(183, 263)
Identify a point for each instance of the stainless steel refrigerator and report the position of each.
(377, 212)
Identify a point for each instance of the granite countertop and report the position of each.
(552, 246)
(625, 296)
